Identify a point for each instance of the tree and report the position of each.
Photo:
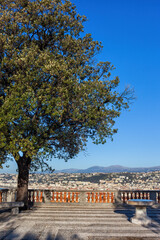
(53, 94)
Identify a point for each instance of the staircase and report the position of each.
(77, 222)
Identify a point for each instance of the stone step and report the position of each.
(68, 222)
(83, 210)
(103, 228)
(88, 206)
(109, 219)
(89, 212)
(120, 238)
(90, 209)
(85, 236)
(72, 205)
(98, 215)
(108, 230)
(78, 223)
(84, 214)
(129, 234)
(69, 234)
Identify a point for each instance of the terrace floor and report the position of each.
(77, 222)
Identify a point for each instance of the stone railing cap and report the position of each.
(140, 202)
(11, 204)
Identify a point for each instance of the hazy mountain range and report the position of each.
(110, 169)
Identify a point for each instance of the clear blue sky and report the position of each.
(130, 33)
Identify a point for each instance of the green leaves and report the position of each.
(53, 96)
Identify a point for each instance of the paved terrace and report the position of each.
(74, 221)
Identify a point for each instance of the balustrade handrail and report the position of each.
(86, 190)
(72, 190)
(3, 189)
(76, 195)
(138, 190)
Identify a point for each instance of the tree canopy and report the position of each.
(53, 93)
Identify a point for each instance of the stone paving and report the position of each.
(77, 222)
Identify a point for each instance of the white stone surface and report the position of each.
(61, 222)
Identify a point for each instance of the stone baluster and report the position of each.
(82, 197)
(153, 196)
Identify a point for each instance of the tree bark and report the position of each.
(23, 177)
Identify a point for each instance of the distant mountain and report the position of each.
(110, 169)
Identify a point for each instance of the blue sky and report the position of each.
(130, 34)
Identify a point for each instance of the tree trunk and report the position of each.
(23, 177)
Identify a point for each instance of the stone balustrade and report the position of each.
(8, 195)
(72, 196)
(126, 195)
(81, 196)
